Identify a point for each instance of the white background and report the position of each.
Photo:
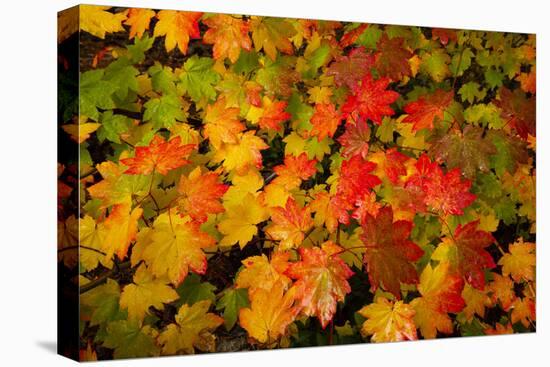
(28, 182)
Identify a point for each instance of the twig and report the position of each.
(82, 247)
(102, 279)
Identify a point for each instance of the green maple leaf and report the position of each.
(101, 303)
(436, 64)
(246, 63)
(231, 303)
(510, 151)
(468, 150)
(192, 290)
(129, 340)
(95, 93)
(370, 36)
(470, 92)
(484, 115)
(163, 111)
(123, 75)
(461, 61)
(493, 78)
(198, 78)
(112, 125)
(136, 52)
(162, 79)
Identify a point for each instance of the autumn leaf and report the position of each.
(325, 120)
(273, 114)
(389, 252)
(388, 321)
(465, 250)
(349, 70)
(520, 261)
(120, 230)
(145, 292)
(200, 195)
(392, 58)
(98, 21)
(323, 278)
(356, 179)
(228, 35)
(467, 150)
(178, 27)
(329, 210)
(246, 153)
(270, 313)
(240, 221)
(176, 247)
(192, 330)
(159, 156)
(232, 301)
(355, 140)
(370, 100)
(518, 111)
(222, 124)
(524, 311)
(261, 272)
(289, 224)
(426, 110)
(294, 171)
(272, 34)
(130, 340)
(501, 289)
(139, 20)
(441, 294)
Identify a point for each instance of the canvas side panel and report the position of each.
(68, 181)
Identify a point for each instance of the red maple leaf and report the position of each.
(444, 35)
(160, 156)
(273, 114)
(356, 179)
(394, 165)
(325, 120)
(389, 252)
(370, 100)
(423, 112)
(355, 140)
(392, 59)
(518, 110)
(349, 70)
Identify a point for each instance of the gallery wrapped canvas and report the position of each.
(234, 183)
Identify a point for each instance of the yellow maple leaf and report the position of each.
(261, 272)
(388, 321)
(97, 21)
(193, 329)
(240, 220)
(82, 131)
(520, 261)
(243, 155)
(178, 27)
(249, 183)
(270, 313)
(145, 292)
(176, 247)
(476, 301)
(120, 229)
(139, 20)
(289, 224)
(222, 123)
(92, 236)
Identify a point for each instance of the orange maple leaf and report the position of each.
(294, 170)
(160, 156)
(228, 35)
(178, 27)
(139, 20)
(289, 224)
(261, 272)
(322, 278)
(120, 230)
(200, 195)
(273, 114)
(423, 112)
(222, 124)
(325, 120)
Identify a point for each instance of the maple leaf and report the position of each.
(145, 292)
(520, 261)
(222, 123)
(325, 120)
(273, 114)
(198, 78)
(130, 340)
(467, 150)
(355, 140)
(349, 70)
(294, 171)
(228, 35)
(392, 58)
(355, 179)
(270, 313)
(366, 206)
(272, 34)
(350, 37)
(329, 210)
(289, 224)
(444, 35)
(240, 220)
(524, 311)
(243, 155)
(465, 250)
(200, 195)
(392, 162)
(193, 329)
(389, 252)
(91, 235)
(261, 272)
(476, 301)
(388, 321)
(97, 21)
(441, 294)
(322, 276)
(139, 20)
(423, 112)
(176, 247)
(159, 156)
(178, 27)
(120, 230)
(370, 100)
(501, 289)
(518, 110)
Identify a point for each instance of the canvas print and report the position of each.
(236, 183)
